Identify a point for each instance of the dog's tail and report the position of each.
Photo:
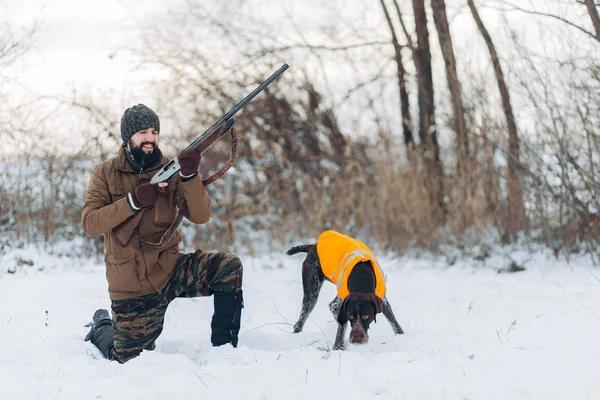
(299, 249)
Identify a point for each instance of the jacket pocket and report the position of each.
(116, 196)
(116, 192)
(167, 260)
(121, 274)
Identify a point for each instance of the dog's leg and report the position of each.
(311, 283)
(339, 337)
(389, 314)
(334, 306)
(309, 300)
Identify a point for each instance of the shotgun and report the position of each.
(124, 231)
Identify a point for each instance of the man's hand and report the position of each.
(146, 194)
(189, 161)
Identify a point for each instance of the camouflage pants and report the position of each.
(138, 322)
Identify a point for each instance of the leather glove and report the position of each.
(189, 161)
(145, 195)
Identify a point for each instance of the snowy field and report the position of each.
(471, 333)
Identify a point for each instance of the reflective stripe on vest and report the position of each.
(349, 258)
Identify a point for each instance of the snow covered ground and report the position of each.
(471, 333)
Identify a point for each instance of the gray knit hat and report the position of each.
(138, 118)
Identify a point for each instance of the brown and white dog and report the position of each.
(353, 268)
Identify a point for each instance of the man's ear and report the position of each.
(342, 318)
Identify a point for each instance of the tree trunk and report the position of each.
(424, 77)
(594, 16)
(404, 102)
(427, 129)
(514, 194)
(441, 24)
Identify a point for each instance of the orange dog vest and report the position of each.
(339, 253)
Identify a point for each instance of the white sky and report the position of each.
(76, 41)
(78, 38)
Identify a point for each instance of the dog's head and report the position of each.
(360, 309)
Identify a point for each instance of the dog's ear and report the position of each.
(342, 318)
(378, 303)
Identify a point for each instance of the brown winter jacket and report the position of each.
(137, 270)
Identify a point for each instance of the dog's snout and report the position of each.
(358, 339)
(358, 335)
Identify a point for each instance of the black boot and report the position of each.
(225, 323)
(101, 332)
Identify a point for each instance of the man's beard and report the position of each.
(143, 158)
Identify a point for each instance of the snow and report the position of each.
(471, 333)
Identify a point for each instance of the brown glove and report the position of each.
(145, 195)
(189, 160)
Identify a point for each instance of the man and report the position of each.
(143, 278)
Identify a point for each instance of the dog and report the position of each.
(353, 268)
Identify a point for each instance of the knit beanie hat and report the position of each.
(138, 118)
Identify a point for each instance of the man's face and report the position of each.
(144, 146)
(146, 140)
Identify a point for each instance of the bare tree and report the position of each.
(404, 102)
(441, 23)
(427, 128)
(514, 194)
(424, 75)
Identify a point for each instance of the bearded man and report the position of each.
(144, 278)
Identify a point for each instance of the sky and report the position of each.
(78, 38)
(77, 44)
(74, 48)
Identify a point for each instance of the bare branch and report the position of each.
(544, 14)
(411, 44)
(11, 46)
